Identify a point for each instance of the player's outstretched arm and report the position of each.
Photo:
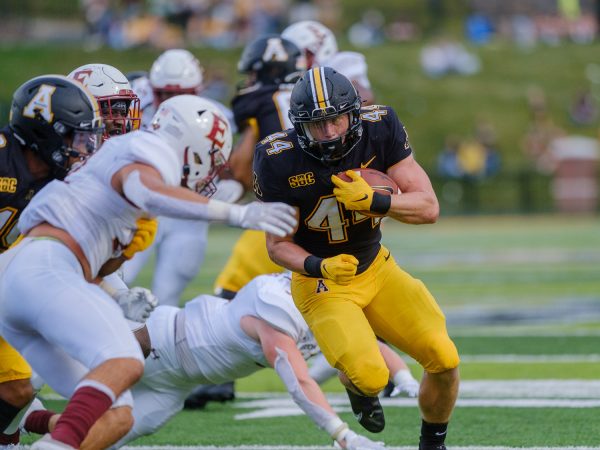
(283, 355)
(143, 186)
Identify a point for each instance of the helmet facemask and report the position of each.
(330, 151)
(121, 114)
(76, 144)
(206, 185)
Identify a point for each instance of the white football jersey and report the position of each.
(352, 65)
(100, 220)
(222, 351)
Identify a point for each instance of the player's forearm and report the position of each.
(308, 396)
(415, 207)
(171, 201)
(287, 254)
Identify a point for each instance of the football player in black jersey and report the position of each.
(272, 65)
(346, 284)
(260, 107)
(54, 122)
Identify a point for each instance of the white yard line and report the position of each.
(310, 447)
(583, 393)
(473, 394)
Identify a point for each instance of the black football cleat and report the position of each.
(368, 411)
(388, 389)
(203, 394)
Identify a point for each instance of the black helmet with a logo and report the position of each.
(272, 59)
(321, 94)
(57, 118)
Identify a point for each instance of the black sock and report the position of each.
(433, 433)
(7, 413)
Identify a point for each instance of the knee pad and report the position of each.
(440, 354)
(369, 376)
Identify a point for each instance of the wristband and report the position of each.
(381, 203)
(335, 428)
(312, 266)
(221, 211)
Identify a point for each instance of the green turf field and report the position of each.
(522, 297)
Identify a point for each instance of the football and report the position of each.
(379, 181)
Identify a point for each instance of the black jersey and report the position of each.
(284, 172)
(17, 186)
(264, 107)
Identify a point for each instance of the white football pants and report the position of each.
(180, 246)
(161, 392)
(61, 324)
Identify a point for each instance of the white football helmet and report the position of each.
(119, 105)
(200, 133)
(316, 41)
(175, 72)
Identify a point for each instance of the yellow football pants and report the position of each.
(12, 365)
(383, 301)
(249, 258)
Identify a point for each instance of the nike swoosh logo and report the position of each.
(363, 198)
(437, 433)
(363, 165)
(388, 256)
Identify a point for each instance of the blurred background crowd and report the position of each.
(417, 50)
(230, 23)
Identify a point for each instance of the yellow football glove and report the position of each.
(354, 195)
(143, 237)
(340, 268)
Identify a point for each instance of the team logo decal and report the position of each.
(82, 75)
(41, 104)
(302, 179)
(321, 287)
(275, 51)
